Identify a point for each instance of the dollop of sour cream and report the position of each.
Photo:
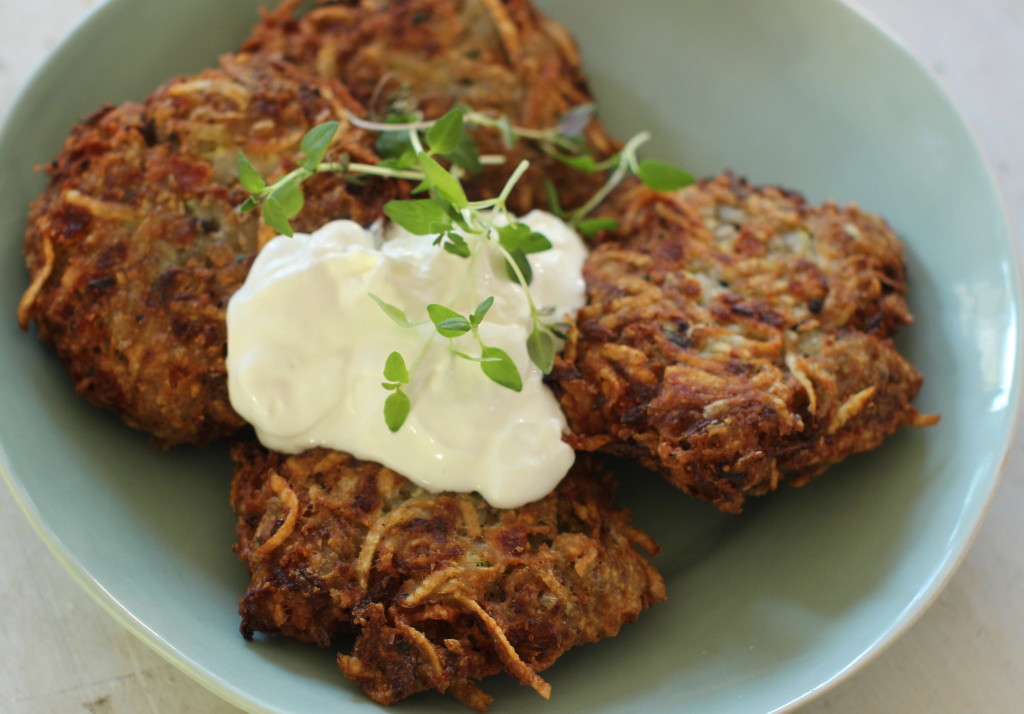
(307, 346)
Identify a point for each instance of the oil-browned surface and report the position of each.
(737, 335)
(136, 245)
(502, 57)
(442, 589)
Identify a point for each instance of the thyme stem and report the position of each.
(626, 161)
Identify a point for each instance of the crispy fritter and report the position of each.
(735, 336)
(502, 57)
(136, 245)
(442, 589)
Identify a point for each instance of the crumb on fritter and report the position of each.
(441, 589)
(136, 245)
(736, 336)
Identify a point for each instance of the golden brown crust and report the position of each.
(136, 245)
(735, 335)
(441, 588)
(500, 57)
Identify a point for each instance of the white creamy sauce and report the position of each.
(307, 346)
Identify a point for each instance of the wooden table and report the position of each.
(62, 653)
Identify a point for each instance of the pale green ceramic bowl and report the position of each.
(765, 610)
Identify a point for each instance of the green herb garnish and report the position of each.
(409, 149)
(397, 406)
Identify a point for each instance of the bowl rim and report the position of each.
(925, 596)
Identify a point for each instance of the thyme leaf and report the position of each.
(316, 142)
(661, 176)
(500, 368)
(396, 409)
(420, 217)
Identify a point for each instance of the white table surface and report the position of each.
(59, 652)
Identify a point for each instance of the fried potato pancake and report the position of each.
(501, 57)
(136, 245)
(441, 589)
(735, 336)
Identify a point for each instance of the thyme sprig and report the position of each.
(409, 148)
(397, 404)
